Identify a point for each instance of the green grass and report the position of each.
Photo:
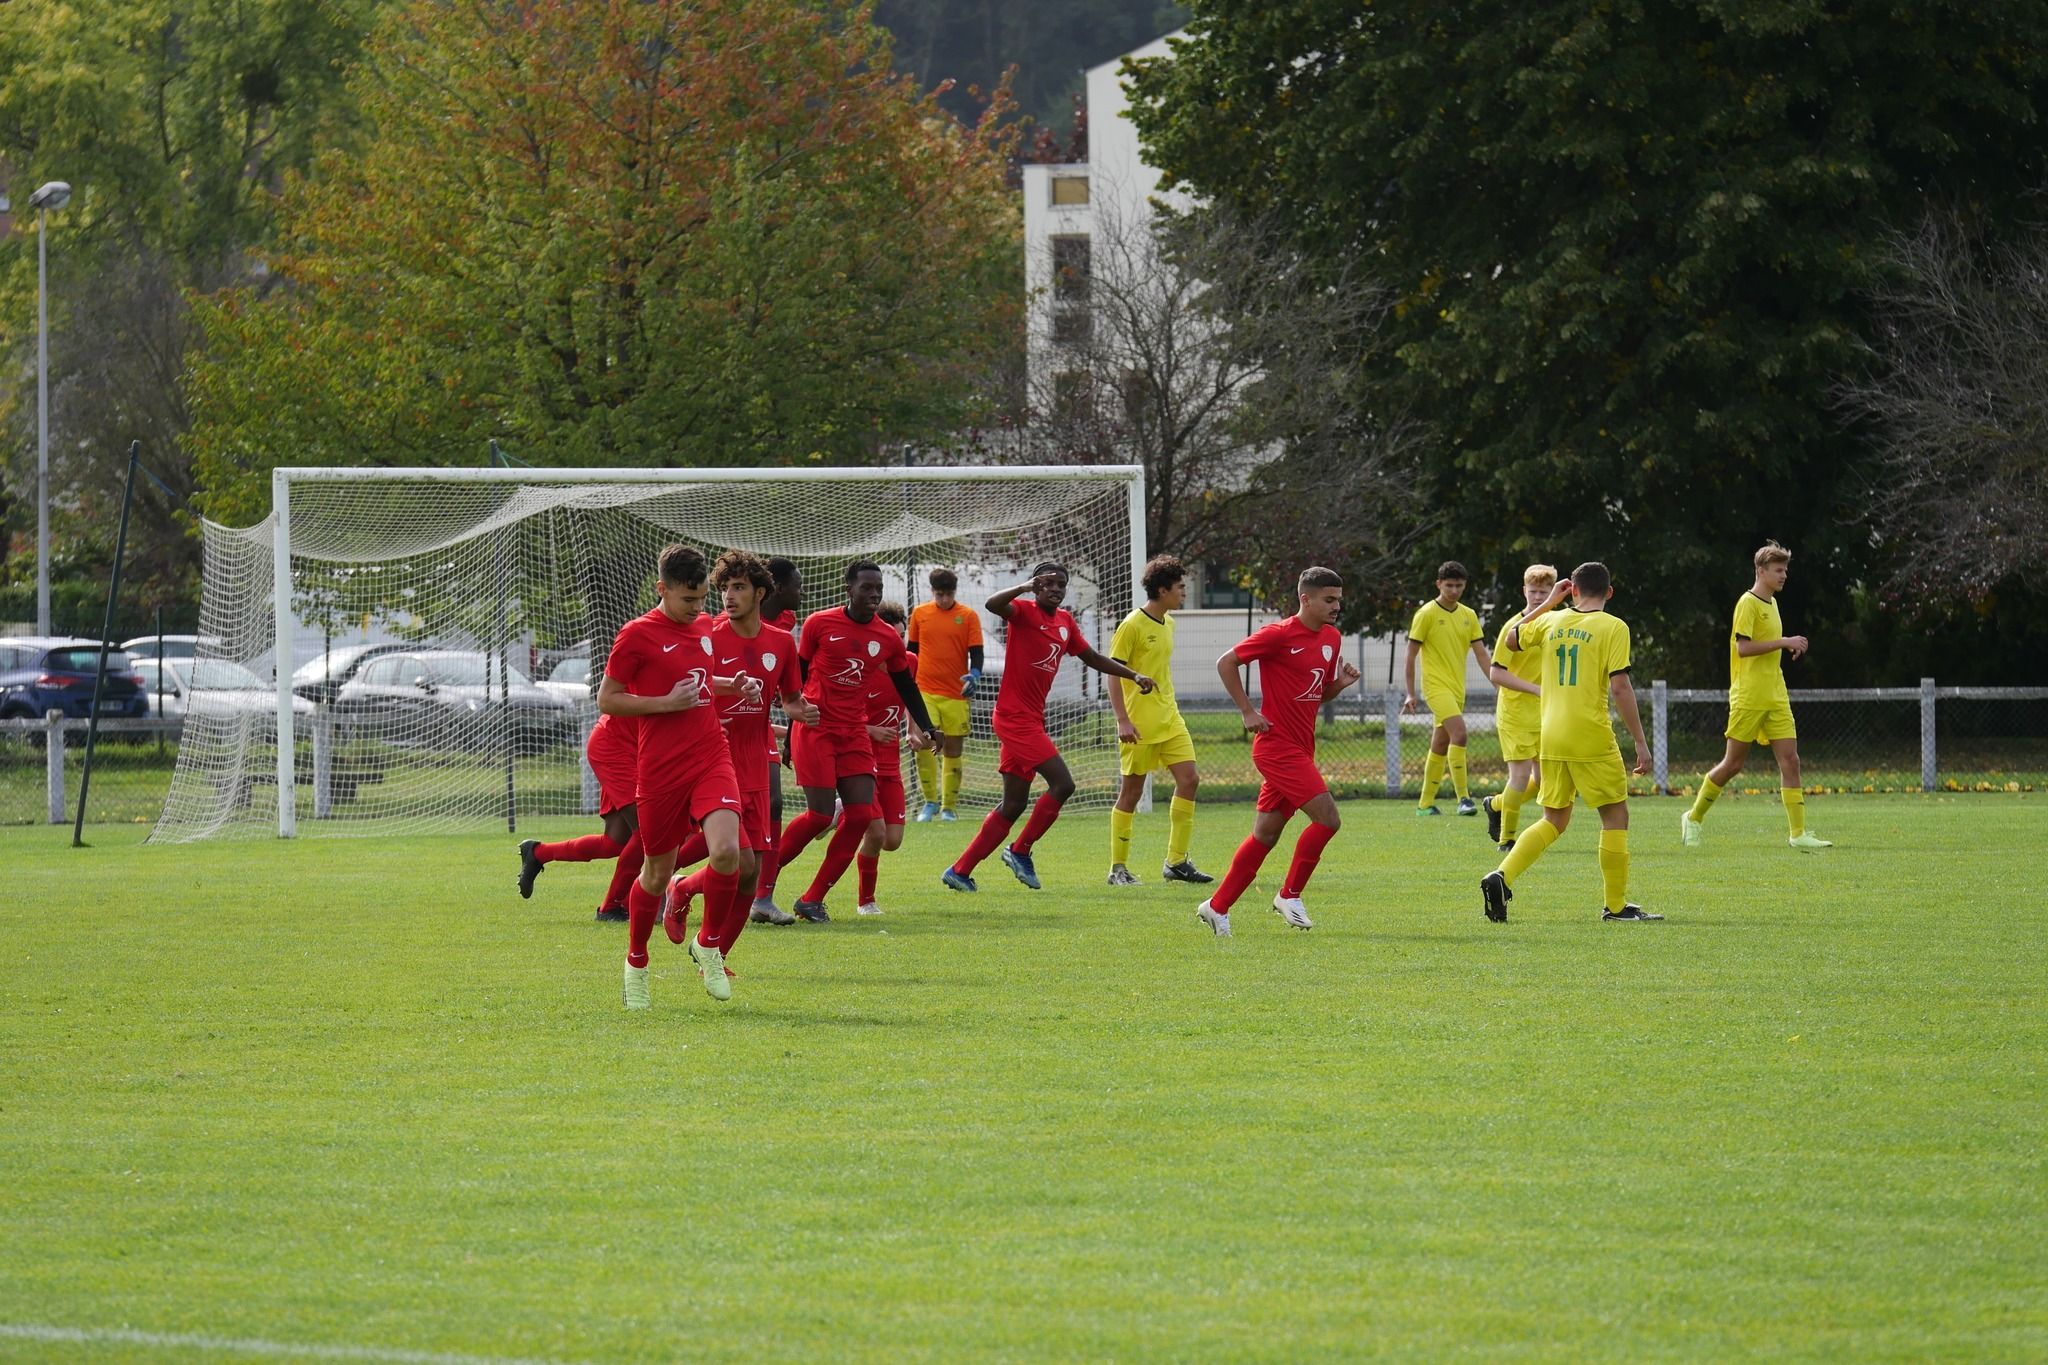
(356, 1093)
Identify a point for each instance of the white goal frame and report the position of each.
(282, 478)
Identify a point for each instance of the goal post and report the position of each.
(431, 638)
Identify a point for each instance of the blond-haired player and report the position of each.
(1149, 729)
(1759, 709)
(1586, 658)
(1442, 630)
(1517, 712)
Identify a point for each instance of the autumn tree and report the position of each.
(632, 232)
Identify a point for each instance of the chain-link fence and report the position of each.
(1850, 740)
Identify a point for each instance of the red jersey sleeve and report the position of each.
(788, 677)
(625, 659)
(899, 658)
(1261, 643)
(1075, 641)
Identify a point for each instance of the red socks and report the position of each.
(853, 827)
(870, 873)
(1308, 851)
(643, 910)
(1043, 813)
(589, 849)
(771, 863)
(724, 914)
(994, 829)
(623, 875)
(1244, 865)
(797, 835)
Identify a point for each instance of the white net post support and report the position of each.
(283, 635)
(1112, 618)
(421, 623)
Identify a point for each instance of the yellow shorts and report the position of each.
(1517, 742)
(948, 713)
(1762, 724)
(1146, 756)
(1601, 781)
(1443, 706)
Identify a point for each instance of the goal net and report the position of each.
(428, 641)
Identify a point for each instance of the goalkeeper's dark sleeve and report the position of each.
(974, 657)
(913, 700)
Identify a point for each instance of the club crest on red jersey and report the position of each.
(768, 661)
(1326, 653)
(874, 648)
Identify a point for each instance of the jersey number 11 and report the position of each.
(1567, 654)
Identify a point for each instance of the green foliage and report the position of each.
(1049, 42)
(623, 233)
(1631, 243)
(356, 1093)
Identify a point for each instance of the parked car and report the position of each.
(173, 646)
(449, 698)
(40, 673)
(211, 687)
(321, 677)
(570, 680)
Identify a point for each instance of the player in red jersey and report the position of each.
(661, 670)
(778, 609)
(842, 649)
(743, 644)
(613, 750)
(1041, 635)
(1301, 666)
(885, 733)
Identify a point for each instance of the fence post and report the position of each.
(1660, 734)
(1927, 764)
(323, 761)
(53, 763)
(1393, 705)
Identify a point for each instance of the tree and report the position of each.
(174, 121)
(635, 232)
(1629, 244)
(1957, 399)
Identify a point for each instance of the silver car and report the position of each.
(210, 687)
(445, 698)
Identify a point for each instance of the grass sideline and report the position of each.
(355, 1093)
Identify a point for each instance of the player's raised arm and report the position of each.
(1550, 604)
(999, 605)
(1501, 676)
(1341, 678)
(1102, 663)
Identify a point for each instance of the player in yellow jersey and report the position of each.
(1517, 712)
(946, 638)
(1585, 652)
(1149, 728)
(1443, 629)
(1759, 709)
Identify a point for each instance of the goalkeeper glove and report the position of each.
(967, 683)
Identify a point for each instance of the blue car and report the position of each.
(40, 673)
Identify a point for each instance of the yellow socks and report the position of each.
(1119, 836)
(1528, 849)
(1510, 802)
(1705, 800)
(953, 764)
(1795, 809)
(1614, 867)
(1456, 755)
(1180, 829)
(928, 774)
(1432, 778)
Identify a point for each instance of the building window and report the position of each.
(1072, 326)
(1071, 268)
(1069, 189)
(1220, 590)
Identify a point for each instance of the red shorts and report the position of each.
(614, 756)
(757, 831)
(822, 757)
(889, 797)
(667, 818)
(1024, 750)
(1291, 778)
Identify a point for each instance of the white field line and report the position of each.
(121, 1336)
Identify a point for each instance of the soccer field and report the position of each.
(355, 1095)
